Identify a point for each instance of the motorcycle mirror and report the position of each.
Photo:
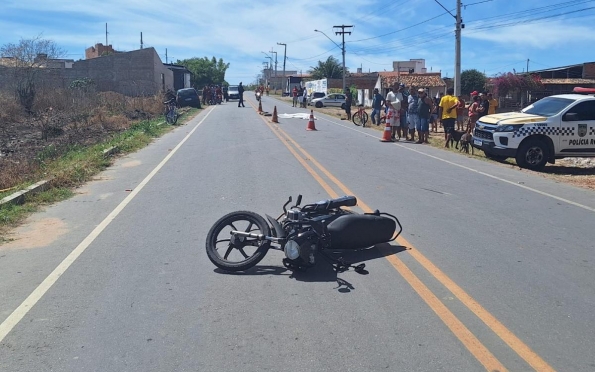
(299, 200)
(285, 205)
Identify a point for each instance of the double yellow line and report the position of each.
(477, 349)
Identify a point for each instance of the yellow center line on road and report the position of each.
(467, 338)
(524, 351)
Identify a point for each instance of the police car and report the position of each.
(552, 128)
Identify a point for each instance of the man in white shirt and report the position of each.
(393, 105)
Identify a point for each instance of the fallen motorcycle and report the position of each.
(240, 240)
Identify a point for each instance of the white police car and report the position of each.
(552, 128)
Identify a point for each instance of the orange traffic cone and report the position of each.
(275, 119)
(259, 106)
(311, 125)
(387, 134)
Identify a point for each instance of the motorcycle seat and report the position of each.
(343, 201)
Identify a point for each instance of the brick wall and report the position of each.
(136, 73)
(98, 50)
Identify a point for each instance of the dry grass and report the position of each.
(60, 120)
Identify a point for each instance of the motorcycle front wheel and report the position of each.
(232, 252)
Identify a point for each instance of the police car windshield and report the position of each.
(548, 106)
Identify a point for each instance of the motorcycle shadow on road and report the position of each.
(323, 271)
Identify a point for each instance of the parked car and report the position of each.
(233, 92)
(187, 97)
(315, 95)
(334, 99)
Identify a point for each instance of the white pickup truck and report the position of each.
(554, 127)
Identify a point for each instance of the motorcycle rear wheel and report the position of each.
(219, 237)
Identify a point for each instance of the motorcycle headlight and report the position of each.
(292, 250)
(509, 128)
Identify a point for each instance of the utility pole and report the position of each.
(275, 61)
(459, 25)
(141, 40)
(284, 59)
(106, 34)
(166, 56)
(527, 65)
(342, 33)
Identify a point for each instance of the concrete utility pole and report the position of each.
(458, 50)
(284, 59)
(275, 61)
(342, 33)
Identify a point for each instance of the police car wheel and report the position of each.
(532, 154)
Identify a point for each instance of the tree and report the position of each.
(472, 80)
(205, 71)
(27, 56)
(330, 69)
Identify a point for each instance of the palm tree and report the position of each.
(330, 69)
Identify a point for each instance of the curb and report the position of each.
(19, 196)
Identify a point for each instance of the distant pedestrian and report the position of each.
(393, 106)
(484, 106)
(493, 104)
(348, 102)
(412, 112)
(377, 102)
(448, 114)
(473, 113)
(294, 94)
(424, 107)
(304, 100)
(241, 94)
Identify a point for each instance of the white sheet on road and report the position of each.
(305, 116)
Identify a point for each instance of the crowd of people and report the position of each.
(213, 94)
(412, 111)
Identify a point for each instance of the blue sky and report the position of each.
(499, 35)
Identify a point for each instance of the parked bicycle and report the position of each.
(360, 117)
(171, 111)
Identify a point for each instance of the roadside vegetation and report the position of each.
(63, 140)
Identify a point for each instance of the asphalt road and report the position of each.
(495, 270)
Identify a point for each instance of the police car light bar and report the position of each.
(582, 90)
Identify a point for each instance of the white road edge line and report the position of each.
(19, 313)
(474, 170)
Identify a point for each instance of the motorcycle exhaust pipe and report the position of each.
(256, 236)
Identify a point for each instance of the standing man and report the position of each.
(448, 113)
(304, 98)
(377, 101)
(348, 101)
(413, 112)
(294, 94)
(425, 104)
(393, 106)
(241, 93)
(493, 104)
(401, 97)
(484, 106)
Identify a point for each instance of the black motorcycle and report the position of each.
(240, 240)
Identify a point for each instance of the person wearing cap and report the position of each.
(448, 113)
(484, 106)
(377, 102)
(424, 109)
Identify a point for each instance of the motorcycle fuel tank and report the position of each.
(357, 231)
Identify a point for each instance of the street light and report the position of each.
(343, 49)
